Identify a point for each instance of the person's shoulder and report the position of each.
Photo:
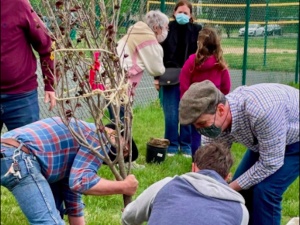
(197, 26)
(18, 6)
(23, 3)
(140, 23)
(16, 2)
(191, 58)
(172, 24)
(22, 8)
(51, 121)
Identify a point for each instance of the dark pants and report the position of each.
(58, 197)
(111, 114)
(18, 110)
(196, 140)
(263, 200)
(178, 140)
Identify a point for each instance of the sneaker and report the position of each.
(187, 156)
(170, 154)
(135, 165)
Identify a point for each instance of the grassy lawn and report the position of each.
(276, 42)
(148, 122)
(280, 53)
(285, 62)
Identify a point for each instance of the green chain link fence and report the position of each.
(268, 51)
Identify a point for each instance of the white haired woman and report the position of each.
(140, 50)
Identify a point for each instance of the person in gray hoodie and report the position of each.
(199, 197)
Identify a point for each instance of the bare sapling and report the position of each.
(89, 76)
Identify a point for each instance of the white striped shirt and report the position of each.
(265, 118)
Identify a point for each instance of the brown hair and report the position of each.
(188, 4)
(214, 156)
(209, 44)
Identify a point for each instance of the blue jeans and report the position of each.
(182, 141)
(32, 190)
(263, 200)
(18, 110)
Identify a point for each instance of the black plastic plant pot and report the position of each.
(155, 154)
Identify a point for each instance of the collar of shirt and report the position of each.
(241, 129)
(235, 116)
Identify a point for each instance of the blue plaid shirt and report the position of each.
(265, 118)
(62, 158)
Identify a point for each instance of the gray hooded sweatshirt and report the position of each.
(202, 198)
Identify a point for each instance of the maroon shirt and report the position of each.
(22, 29)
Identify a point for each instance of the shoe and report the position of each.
(135, 165)
(187, 156)
(170, 154)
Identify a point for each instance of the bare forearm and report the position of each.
(76, 220)
(235, 186)
(107, 187)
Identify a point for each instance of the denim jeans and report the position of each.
(32, 190)
(182, 141)
(18, 110)
(263, 200)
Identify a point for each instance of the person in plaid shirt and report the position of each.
(45, 153)
(265, 119)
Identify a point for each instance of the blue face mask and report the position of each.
(182, 19)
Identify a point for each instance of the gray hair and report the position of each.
(156, 18)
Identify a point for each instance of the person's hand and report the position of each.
(131, 185)
(156, 85)
(50, 96)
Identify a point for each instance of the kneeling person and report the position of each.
(199, 197)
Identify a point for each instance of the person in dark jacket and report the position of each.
(179, 44)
